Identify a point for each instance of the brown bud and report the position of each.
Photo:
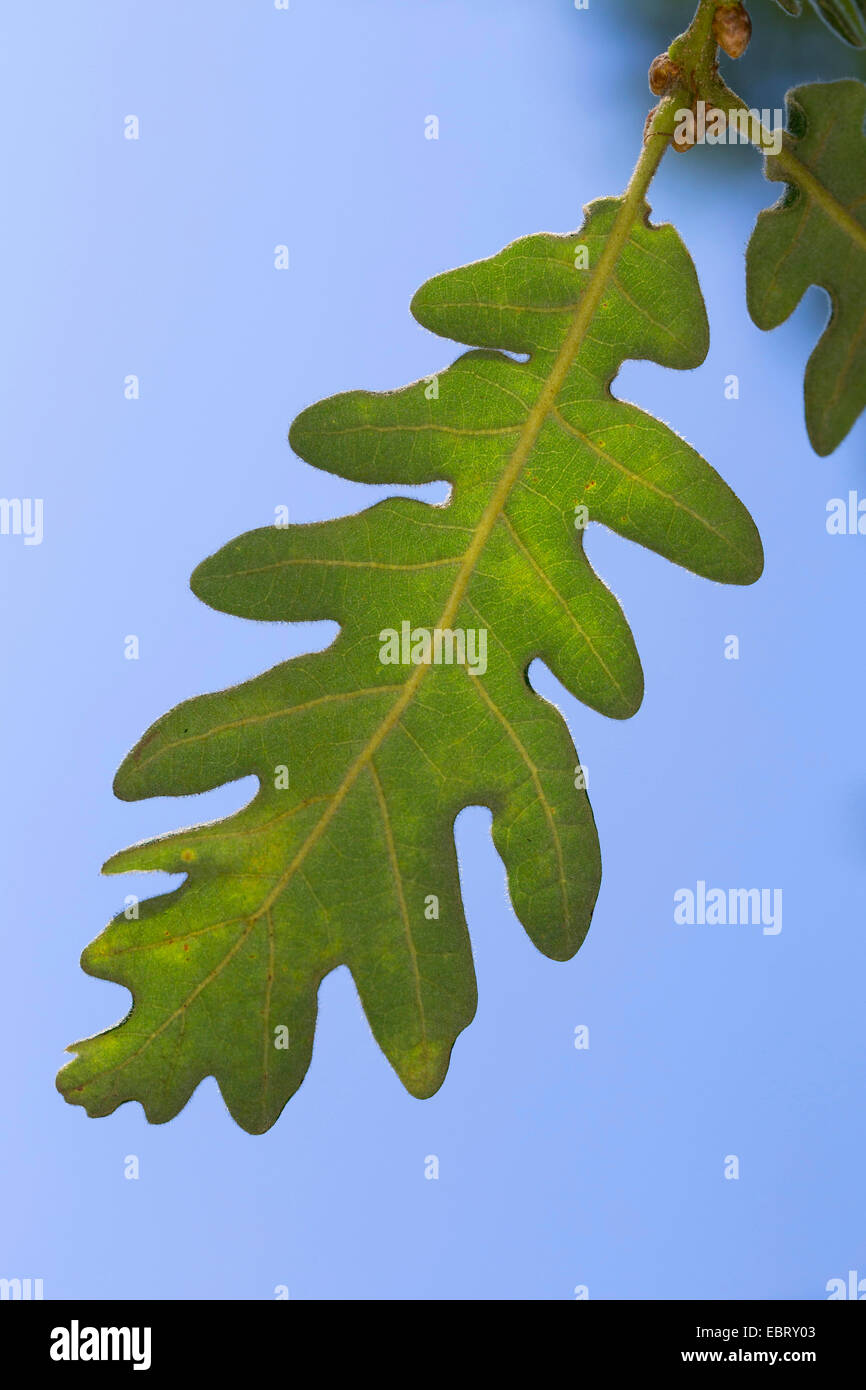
(732, 28)
(663, 74)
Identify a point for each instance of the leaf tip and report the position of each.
(423, 1068)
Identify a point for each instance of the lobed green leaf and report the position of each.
(354, 861)
(816, 235)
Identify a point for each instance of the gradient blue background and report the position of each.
(155, 257)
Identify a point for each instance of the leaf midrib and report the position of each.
(535, 419)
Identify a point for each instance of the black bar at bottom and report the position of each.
(76, 1338)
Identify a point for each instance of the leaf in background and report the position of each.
(816, 235)
(847, 19)
(354, 862)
